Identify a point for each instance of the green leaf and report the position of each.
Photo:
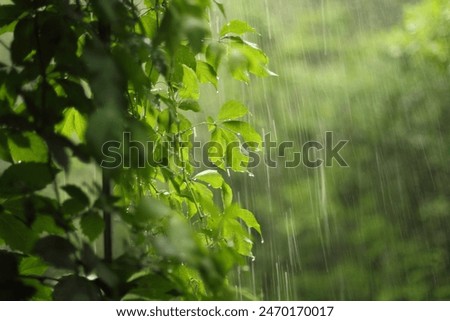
(27, 147)
(221, 7)
(245, 215)
(196, 31)
(214, 54)
(76, 193)
(204, 197)
(206, 73)
(217, 152)
(46, 224)
(152, 287)
(148, 210)
(164, 120)
(236, 159)
(178, 242)
(76, 97)
(92, 225)
(5, 154)
(237, 27)
(211, 177)
(25, 178)
(248, 56)
(127, 60)
(9, 13)
(232, 110)
(149, 21)
(73, 123)
(238, 64)
(15, 233)
(57, 251)
(190, 280)
(227, 150)
(32, 266)
(76, 288)
(92, 263)
(190, 104)
(227, 195)
(235, 235)
(24, 40)
(190, 89)
(233, 231)
(73, 206)
(105, 125)
(182, 56)
(245, 130)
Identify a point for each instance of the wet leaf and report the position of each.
(237, 27)
(214, 54)
(206, 73)
(235, 211)
(211, 177)
(245, 130)
(232, 110)
(190, 89)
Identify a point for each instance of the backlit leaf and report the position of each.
(212, 177)
(245, 215)
(206, 73)
(232, 110)
(190, 89)
(237, 27)
(27, 147)
(245, 130)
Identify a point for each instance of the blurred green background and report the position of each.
(376, 73)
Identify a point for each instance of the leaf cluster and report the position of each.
(81, 74)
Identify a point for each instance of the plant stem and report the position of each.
(104, 32)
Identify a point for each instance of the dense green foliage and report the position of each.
(377, 230)
(78, 74)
